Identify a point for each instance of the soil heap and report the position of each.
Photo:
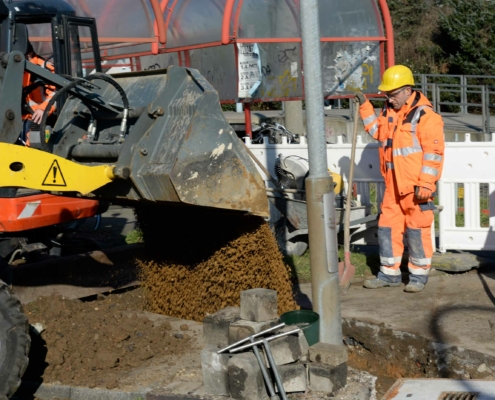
(199, 262)
(97, 343)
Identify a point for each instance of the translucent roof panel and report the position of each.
(269, 19)
(195, 22)
(349, 18)
(118, 18)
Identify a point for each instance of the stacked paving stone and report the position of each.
(319, 368)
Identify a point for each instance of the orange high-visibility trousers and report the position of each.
(404, 215)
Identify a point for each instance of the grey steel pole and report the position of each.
(324, 278)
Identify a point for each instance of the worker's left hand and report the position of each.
(37, 116)
(422, 193)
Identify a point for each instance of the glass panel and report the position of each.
(44, 49)
(281, 71)
(269, 19)
(75, 51)
(195, 22)
(134, 21)
(117, 18)
(459, 214)
(349, 67)
(350, 18)
(160, 61)
(217, 65)
(484, 205)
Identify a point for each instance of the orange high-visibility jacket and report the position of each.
(39, 97)
(415, 133)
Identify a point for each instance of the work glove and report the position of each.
(422, 193)
(360, 98)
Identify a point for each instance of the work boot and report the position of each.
(414, 287)
(379, 283)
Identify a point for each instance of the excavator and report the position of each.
(156, 138)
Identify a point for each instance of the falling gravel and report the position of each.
(199, 262)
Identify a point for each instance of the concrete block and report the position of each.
(294, 377)
(242, 329)
(259, 305)
(215, 371)
(326, 378)
(216, 326)
(330, 354)
(245, 378)
(289, 349)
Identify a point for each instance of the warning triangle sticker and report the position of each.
(54, 176)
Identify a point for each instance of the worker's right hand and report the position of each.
(360, 98)
(37, 116)
(422, 193)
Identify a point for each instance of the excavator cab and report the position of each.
(68, 42)
(26, 214)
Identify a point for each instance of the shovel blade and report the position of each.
(346, 273)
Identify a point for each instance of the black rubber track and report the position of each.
(14, 342)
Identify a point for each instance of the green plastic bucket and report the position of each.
(307, 320)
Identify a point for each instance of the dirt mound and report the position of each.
(200, 262)
(95, 343)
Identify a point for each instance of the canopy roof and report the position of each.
(206, 34)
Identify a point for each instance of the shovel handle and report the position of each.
(347, 217)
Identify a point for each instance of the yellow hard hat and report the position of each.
(396, 77)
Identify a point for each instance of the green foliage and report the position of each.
(445, 36)
(467, 34)
(365, 264)
(415, 25)
(135, 236)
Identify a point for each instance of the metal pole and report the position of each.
(266, 376)
(483, 111)
(277, 376)
(488, 135)
(325, 284)
(464, 107)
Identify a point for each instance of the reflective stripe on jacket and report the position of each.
(39, 97)
(417, 141)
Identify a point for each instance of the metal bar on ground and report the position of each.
(273, 328)
(277, 336)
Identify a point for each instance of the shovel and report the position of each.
(346, 269)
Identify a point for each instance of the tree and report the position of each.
(467, 36)
(415, 25)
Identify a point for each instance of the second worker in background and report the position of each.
(411, 159)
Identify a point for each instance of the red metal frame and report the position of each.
(389, 32)
(160, 23)
(227, 16)
(44, 210)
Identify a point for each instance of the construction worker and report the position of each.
(411, 152)
(36, 94)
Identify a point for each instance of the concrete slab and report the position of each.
(423, 389)
(452, 309)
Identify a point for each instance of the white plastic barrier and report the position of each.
(468, 163)
(471, 164)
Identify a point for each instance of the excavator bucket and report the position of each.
(177, 148)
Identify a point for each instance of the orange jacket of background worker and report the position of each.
(38, 96)
(411, 152)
